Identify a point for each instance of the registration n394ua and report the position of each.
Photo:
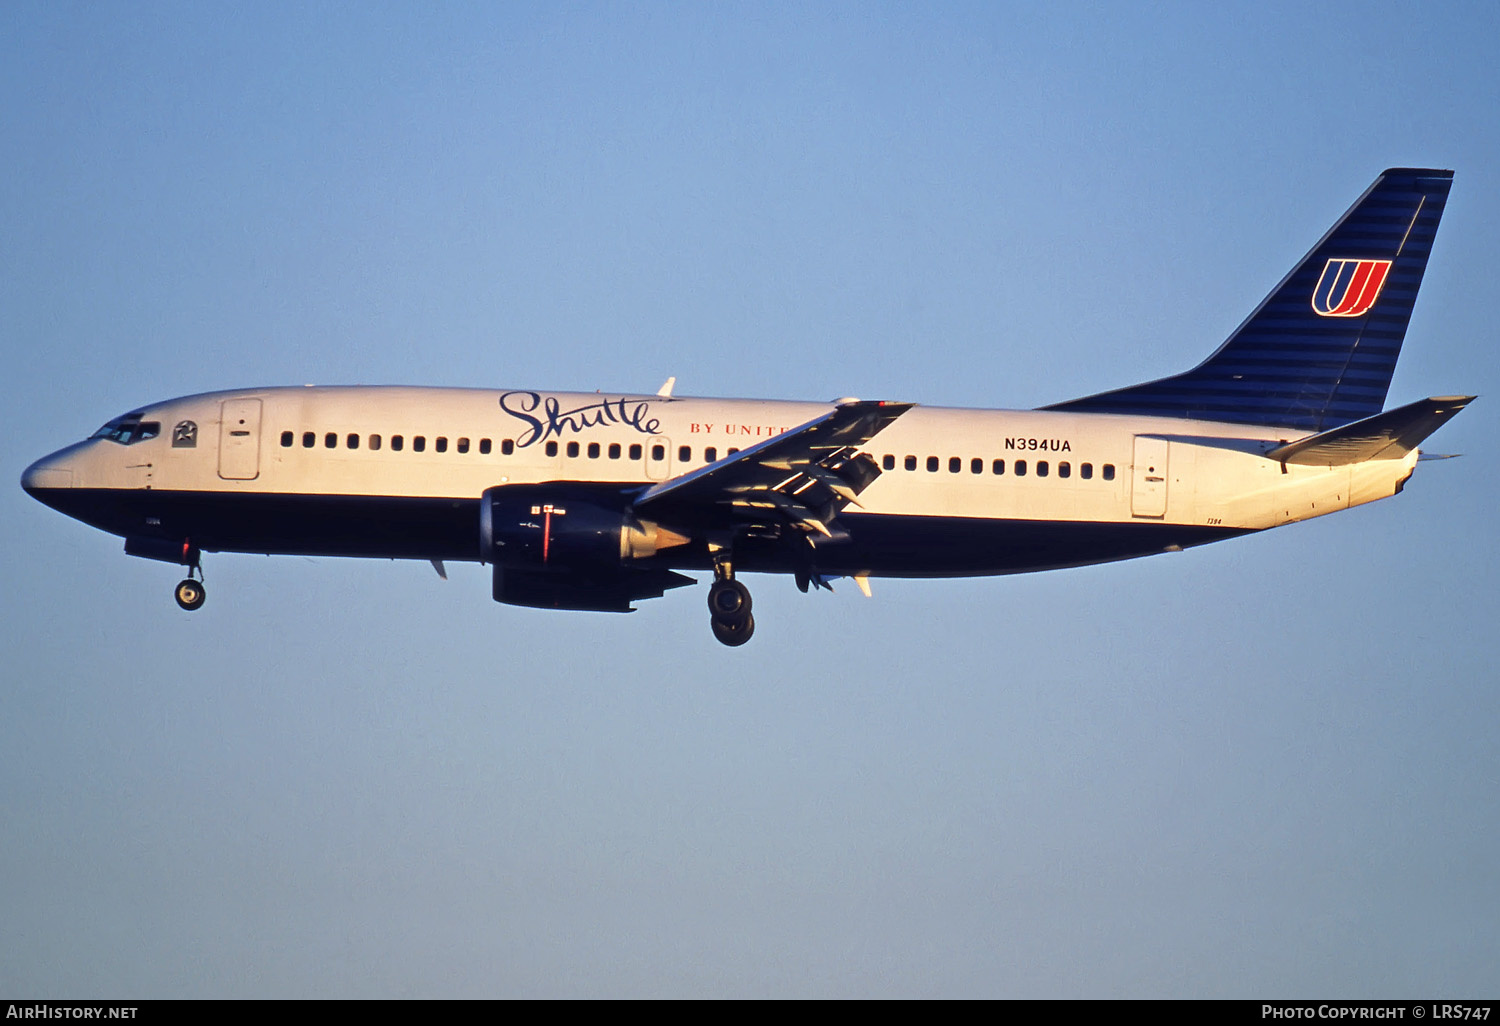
(594, 502)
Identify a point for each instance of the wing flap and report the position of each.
(803, 477)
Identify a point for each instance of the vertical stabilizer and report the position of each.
(1320, 350)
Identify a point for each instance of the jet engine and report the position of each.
(561, 547)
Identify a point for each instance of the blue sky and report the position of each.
(1266, 767)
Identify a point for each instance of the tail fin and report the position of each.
(1320, 350)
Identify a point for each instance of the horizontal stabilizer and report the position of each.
(1385, 436)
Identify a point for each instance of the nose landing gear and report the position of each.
(729, 607)
(190, 593)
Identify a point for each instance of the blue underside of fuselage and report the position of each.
(401, 527)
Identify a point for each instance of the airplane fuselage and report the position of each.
(399, 472)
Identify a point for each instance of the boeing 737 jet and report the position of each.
(593, 501)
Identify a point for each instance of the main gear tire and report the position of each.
(733, 633)
(728, 600)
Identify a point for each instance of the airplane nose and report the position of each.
(45, 474)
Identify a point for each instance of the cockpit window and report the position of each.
(129, 429)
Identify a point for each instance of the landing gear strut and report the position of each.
(729, 606)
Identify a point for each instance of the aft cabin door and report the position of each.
(239, 439)
(1148, 489)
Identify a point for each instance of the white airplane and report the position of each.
(595, 501)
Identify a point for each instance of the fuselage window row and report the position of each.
(614, 451)
(397, 442)
(997, 467)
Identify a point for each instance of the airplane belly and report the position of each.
(906, 546)
(397, 527)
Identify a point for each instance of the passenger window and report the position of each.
(614, 450)
(593, 450)
(463, 445)
(374, 441)
(1109, 472)
(955, 464)
(888, 462)
(1064, 470)
(397, 443)
(484, 446)
(507, 446)
(309, 439)
(572, 450)
(635, 451)
(911, 463)
(732, 452)
(932, 464)
(658, 452)
(976, 466)
(710, 455)
(440, 444)
(998, 467)
(352, 441)
(1041, 468)
(685, 453)
(286, 439)
(1086, 470)
(551, 449)
(331, 441)
(419, 443)
(1020, 468)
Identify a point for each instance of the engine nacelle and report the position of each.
(557, 527)
(567, 547)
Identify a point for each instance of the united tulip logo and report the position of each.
(1349, 288)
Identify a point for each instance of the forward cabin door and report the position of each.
(239, 439)
(1148, 488)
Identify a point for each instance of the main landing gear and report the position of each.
(729, 606)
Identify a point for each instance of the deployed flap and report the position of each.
(1385, 436)
(803, 477)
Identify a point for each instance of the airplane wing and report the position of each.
(804, 477)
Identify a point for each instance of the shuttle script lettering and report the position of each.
(546, 419)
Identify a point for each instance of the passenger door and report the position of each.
(239, 439)
(1148, 489)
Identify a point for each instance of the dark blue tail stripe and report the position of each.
(1289, 366)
